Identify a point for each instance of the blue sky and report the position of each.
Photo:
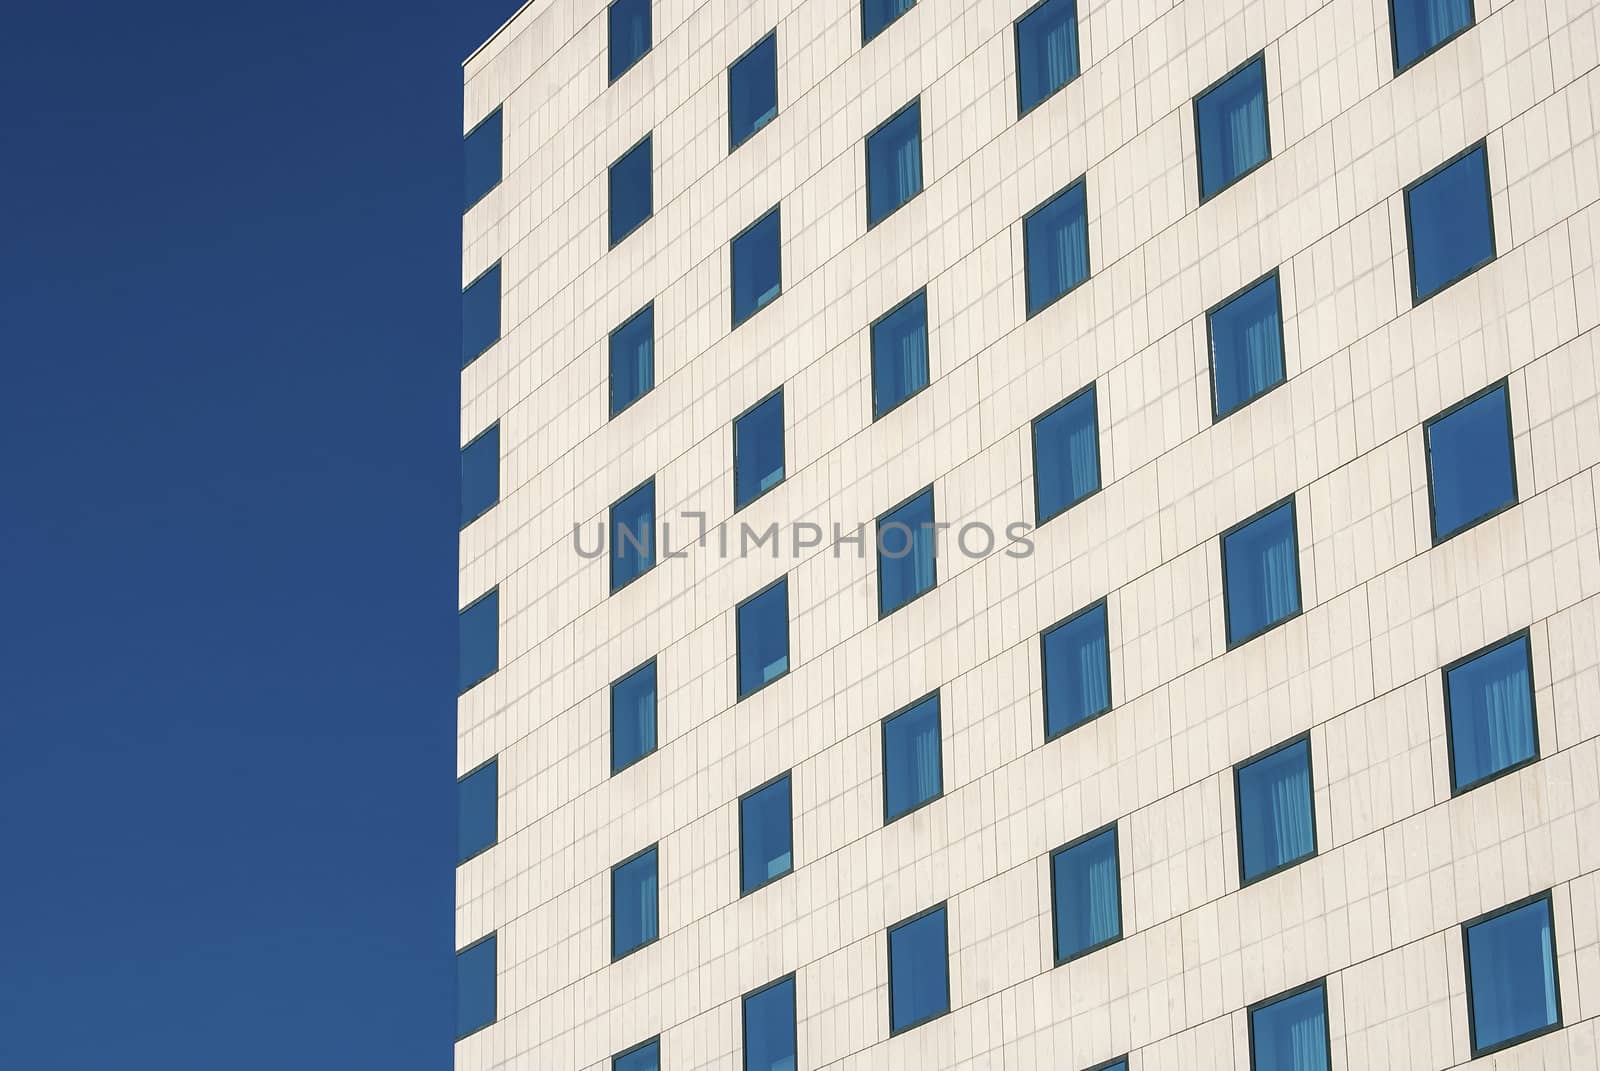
(229, 324)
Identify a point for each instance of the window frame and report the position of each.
(770, 782)
(744, 1017)
(492, 935)
(735, 142)
(1102, 603)
(1039, 520)
(783, 448)
(738, 641)
(1055, 914)
(611, 377)
(497, 112)
(1289, 994)
(494, 593)
(1016, 49)
(922, 162)
(1114, 1062)
(1427, 462)
(733, 268)
(655, 847)
(877, 524)
(1456, 788)
(492, 429)
(1199, 140)
(650, 17)
(493, 760)
(611, 208)
(611, 531)
(883, 754)
(1238, 809)
(889, 933)
(640, 1047)
(1088, 257)
(1411, 244)
(1217, 416)
(1222, 547)
(1548, 898)
(867, 38)
(500, 320)
(611, 714)
(872, 352)
(1394, 38)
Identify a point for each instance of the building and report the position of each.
(1241, 713)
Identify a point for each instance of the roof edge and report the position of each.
(491, 38)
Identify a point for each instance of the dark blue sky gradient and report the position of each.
(229, 324)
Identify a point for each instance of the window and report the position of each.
(1055, 247)
(766, 835)
(1423, 26)
(1077, 670)
(633, 903)
(1512, 991)
(769, 1027)
(480, 475)
(633, 717)
(906, 552)
(1449, 223)
(1472, 473)
(1246, 336)
(482, 147)
(899, 353)
(633, 525)
(642, 1057)
(894, 163)
(477, 811)
(913, 772)
(1290, 1031)
(1488, 703)
(1277, 827)
(479, 626)
(1261, 572)
(1066, 455)
(878, 14)
(762, 623)
(476, 1006)
(757, 269)
(629, 181)
(1047, 51)
(633, 358)
(480, 315)
(1114, 1065)
(1231, 129)
(919, 970)
(1086, 895)
(753, 90)
(758, 450)
(627, 34)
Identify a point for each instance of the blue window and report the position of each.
(1231, 130)
(1290, 1031)
(753, 90)
(1055, 246)
(1114, 1065)
(480, 475)
(1512, 992)
(769, 1027)
(762, 624)
(627, 34)
(1047, 51)
(633, 358)
(1449, 223)
(758, 450)
(633, 716)
(1246, 335)
(894, 163)
(919, 970)
(877, 14)
(1422, 26)
(633, 903)
(633, 543)
(1077, 670)
(642, 1057)
(1261, 572)
(482, 148)
(1488, 702)
(1472, 473)
(906, 552)
(480, 315)
(757, 267)
(1277, 828)
(479, 626)
(899, 353)
(476, 1006)
(477, 811)
(1086, 894)
(629, 183)
(1066, 455)
(766, 835)
(913, 771)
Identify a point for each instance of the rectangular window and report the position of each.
(1086, 894)
(766, 835)
(1077, 670)
(1055, 247)
(478, 811)
(480, 315)
(476, 1006)
(633, 358)
(627, 34)
(906, 552)
(769, 1027)
(876, 15)
(1449, 223)
(762, 624)
(1261, 572)
(899, 353)
(634, 918)
(753, 90)
(894, 163)
(913, 769)
(642, 1057)
(758, 450)
(482, 148)
(1512, 991)
(630, 182)
(1423, 26)
(1246, 337)
(1066, 455)
(1232, 137)
(919, 970)
(633, 527)
(633, 717)
(1277, 825)
(1047, 51)
(479, 627)
(1488, 704)
(1290, 1031)
(1472, 471)
(480, 475)
(757, 267)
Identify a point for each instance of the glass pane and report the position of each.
(1420, 26)
(1276, 824)
(483, 148)
(919, 971)
(475, 987)
(876, 14)
(633, 716)
(633, 904)
(1452, 224)
(757, 277)
(477, 811)
(1471, 471)
(628, 28)
(645, 1058)
(1055, 241)
(1511, 965)
(766, 835)
(1232, 128)
(906, 548)
(1066, 454)
(1088, 895)
(480, 475)
(758, 451)
(1291, 1034)
(913, 771)
(630, 185)
(899, 354)
(753, 90)
(1047, 51)
(1491, 712)
(633, 358)
(1247, 346)
(1077, 670)
(769, 1028)
(480, 315)
(480, 639)
(1261, 564)
(894, 163)
(763, 627)
(633, 545)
